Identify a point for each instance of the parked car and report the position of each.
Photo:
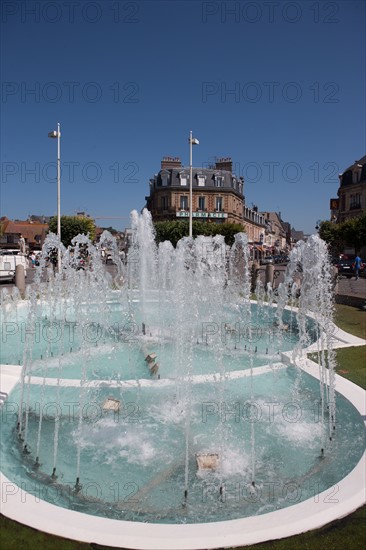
(267, 260)
(345, 267)
(280, 259)
(9, 259)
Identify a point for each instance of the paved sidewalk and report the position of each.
(351, 292)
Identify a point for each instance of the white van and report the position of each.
(9, 259)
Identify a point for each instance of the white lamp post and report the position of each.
(192, 141)
(57, 134)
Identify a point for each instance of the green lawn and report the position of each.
(351, 319)
(352, 364)
(347, 533)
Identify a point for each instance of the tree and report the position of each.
(331, 233)
(229, 230)
(354, 231)
(175, 230)
(71, 226)
(351, 232)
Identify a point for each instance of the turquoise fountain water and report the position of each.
(165, 398)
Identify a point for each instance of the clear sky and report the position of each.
(279, 86)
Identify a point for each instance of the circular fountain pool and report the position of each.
(173, 401)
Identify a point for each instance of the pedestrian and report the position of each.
(357, 265)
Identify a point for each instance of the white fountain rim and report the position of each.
(156, 383)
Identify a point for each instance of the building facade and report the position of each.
(217, 193)
(351, 192)
(33, 232)
(255, 225)
(275, 234)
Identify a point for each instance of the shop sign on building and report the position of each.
(183, 214)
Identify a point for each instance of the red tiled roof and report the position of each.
(27, 229)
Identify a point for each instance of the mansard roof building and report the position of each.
(217, 193)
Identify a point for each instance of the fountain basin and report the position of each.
(339, 500)
(290, 450)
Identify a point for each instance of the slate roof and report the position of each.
(347, 179)
(229, 180)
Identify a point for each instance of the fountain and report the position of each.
(173, 402)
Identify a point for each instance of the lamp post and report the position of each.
(192, 141)
(57, 134)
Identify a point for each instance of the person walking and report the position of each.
(357, 266)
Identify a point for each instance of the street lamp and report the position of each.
(191, 141)
(57, 134)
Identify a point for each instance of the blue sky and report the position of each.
(278, 86)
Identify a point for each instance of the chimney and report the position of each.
(225, 163)
(170, 162)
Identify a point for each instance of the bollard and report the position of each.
(269, 274)
(20, 279)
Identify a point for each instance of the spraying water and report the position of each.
(169, 354)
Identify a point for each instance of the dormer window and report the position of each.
(164, 178)
(219, 181)
(201, 180)
(183, 178)
(347, 178)
(234, 183)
